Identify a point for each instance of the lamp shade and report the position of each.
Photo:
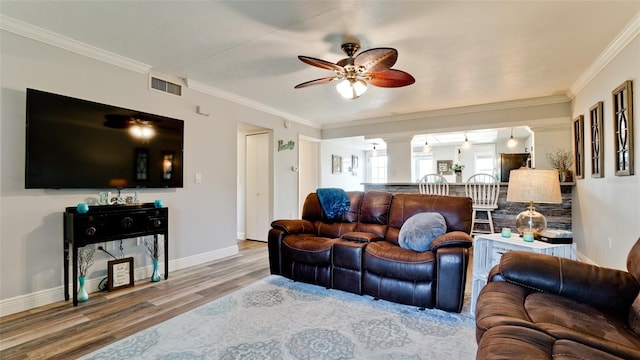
(540, 186)
(530, 185)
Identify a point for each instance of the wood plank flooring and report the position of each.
(60, 331)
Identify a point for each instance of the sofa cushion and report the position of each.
(516, 342)
(564, 318)
(390, 261)
(374, 212)
(333, 230)
(308, 249)
(420, 230)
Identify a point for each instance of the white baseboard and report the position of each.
(49, 296)
(241, 236)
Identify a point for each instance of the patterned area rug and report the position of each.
(276, 318)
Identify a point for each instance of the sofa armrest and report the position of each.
(359, 236)
(451, 272)
(452, 239)
(608, 289)
(295, 226)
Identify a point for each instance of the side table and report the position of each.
(488, 249)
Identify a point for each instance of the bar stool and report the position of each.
(434, 184)
(483, 190)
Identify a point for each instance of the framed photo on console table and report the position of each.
(120, 273)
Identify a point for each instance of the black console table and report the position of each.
(108, 223)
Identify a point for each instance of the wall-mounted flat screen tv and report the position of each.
(78, 144)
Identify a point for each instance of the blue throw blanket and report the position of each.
(335, 202)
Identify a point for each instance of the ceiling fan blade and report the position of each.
(321, 81)
(391, 78)
(376, 60)
(320, 63)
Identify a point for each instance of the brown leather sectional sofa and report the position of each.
(359, 252)
(543, 307)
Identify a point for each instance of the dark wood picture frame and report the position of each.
(578, 146)
(336, 164)
(597, 140)
(623, 128)
(120, 273)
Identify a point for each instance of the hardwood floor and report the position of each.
(60, 331)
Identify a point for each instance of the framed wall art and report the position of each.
(623, 129)
(120, 273)
(336, 164)
(444, 167)
(597, 141)
(578, 146)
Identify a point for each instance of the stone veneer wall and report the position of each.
(558, 215)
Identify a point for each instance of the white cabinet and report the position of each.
(488, 249)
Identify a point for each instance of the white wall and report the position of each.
(309, 170)
(607, 207)
(346, 180)
(202, 216)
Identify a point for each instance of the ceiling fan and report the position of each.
(372, 66)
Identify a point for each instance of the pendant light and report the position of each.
(426, 148)
(466, 144)
(374, 152)
(512, 141)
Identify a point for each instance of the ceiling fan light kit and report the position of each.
(370, 67)
(351, 89)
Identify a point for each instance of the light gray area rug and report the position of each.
(276, 318)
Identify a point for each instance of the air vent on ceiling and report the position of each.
(166, 86)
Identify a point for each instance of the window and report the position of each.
(377, 172)
(423, 164)
(484, 160)
(484, 164)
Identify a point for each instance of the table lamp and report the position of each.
(529, 186)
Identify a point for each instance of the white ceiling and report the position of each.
(460, 52)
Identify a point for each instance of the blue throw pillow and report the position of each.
(420, 230)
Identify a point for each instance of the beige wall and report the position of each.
(607, 208)
(202, 216)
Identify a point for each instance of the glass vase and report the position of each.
(82, 290)
(156, 273)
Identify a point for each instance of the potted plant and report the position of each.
(457, 168)
(561, 160)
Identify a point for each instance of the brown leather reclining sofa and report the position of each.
(543, 307)
(359, 252)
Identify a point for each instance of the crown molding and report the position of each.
(607, 55)
(504, 105)
(213, 91)
(50, 38)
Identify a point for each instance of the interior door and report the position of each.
(257, 180)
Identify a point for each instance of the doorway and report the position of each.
(257, 186)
